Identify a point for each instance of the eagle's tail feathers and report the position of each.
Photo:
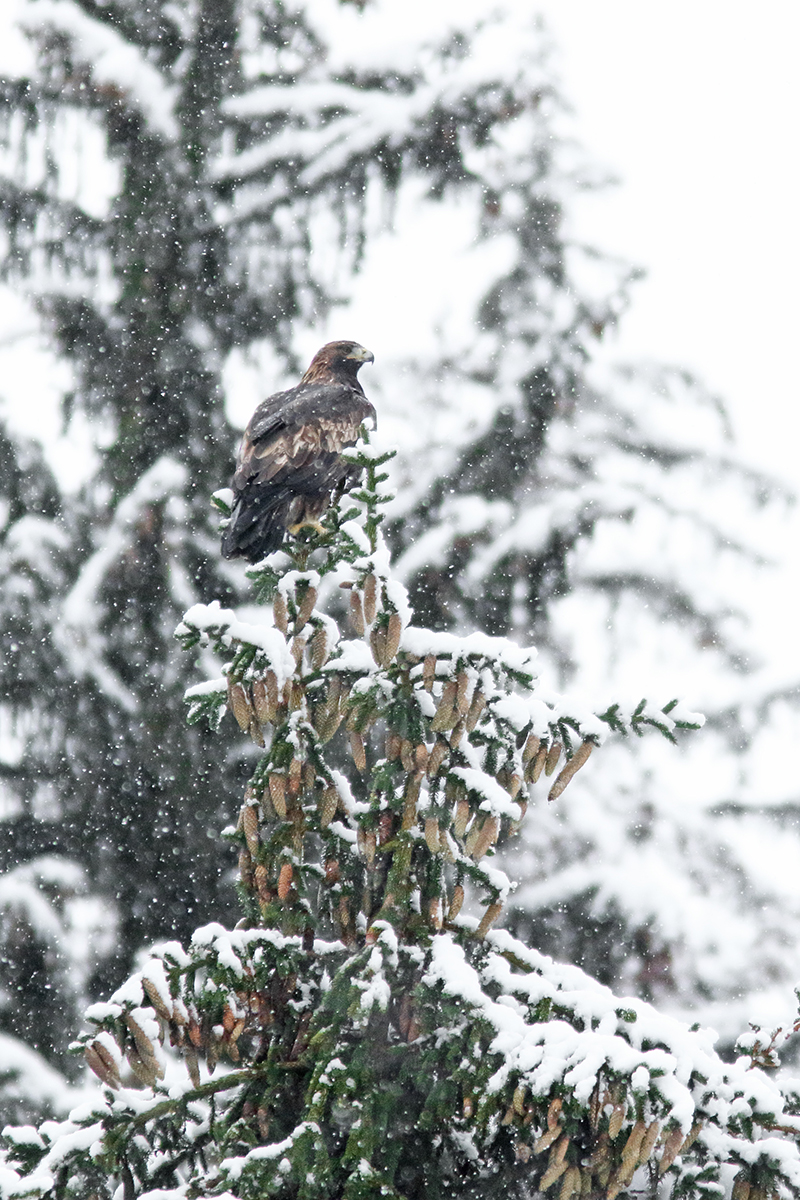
(256, 529)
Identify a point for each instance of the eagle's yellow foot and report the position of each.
(315, 525)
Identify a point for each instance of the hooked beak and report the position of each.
(360, 354)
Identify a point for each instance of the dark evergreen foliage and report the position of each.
(250, 139)
(219, 123)
(378, 1038)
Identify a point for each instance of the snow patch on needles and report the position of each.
(474, 645)
(214, 621)
(592, 1031)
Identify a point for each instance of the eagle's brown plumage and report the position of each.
(290, 461)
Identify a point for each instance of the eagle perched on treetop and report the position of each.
(290, 461)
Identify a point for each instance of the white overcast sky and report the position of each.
(695, 105)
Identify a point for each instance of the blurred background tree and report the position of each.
(188, 193)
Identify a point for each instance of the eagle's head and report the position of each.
(337, 361)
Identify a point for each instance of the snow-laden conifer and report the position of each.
(367, 1029)
(185, 186)
(180, 184)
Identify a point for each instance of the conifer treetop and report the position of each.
(364, 1030)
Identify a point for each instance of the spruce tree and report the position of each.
(379, 1034)
(219, 168)
(251, 146)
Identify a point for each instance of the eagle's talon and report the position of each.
(320, 530)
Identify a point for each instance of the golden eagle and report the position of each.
(290, 460)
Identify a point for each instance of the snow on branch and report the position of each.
(319, 126)
(113, 60)
(516, 1058)
(79, 632)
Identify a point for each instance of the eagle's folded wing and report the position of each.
(290, 462)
